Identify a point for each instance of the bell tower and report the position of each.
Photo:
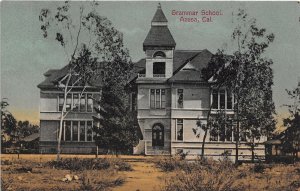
(159, 47)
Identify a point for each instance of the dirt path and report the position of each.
(144, 177)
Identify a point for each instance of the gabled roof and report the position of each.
(199, 61)
(53, 76)
(31, 137)
(159, 36)
(159, 15)
(197, 58)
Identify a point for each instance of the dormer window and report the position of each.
(159, 54)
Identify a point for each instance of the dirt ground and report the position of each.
(144, 177)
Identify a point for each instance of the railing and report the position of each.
(154, 75)
(159, 75)
(141, 75)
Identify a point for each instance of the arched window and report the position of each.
(157, 135)
(159, 54)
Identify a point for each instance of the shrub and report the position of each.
(207, 175)
(6, 162)
(259, 168)
(76, 164)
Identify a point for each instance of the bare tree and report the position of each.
(88, 40)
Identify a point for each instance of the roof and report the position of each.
(53, 76)
(273, 142)
(31, 137)
(159, 15)
(197, 58)
(196, 63)
(159, 36)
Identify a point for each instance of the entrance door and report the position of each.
(158, 135)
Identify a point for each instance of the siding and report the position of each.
(48, 130)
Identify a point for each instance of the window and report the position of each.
(229, 132)
(69, 102)
(180, 98)
(75, 131)
(214, 134)
(67, 131)
(157, 98)
(215, 99)
(82, 103)
(229, 99)
(133, 101)
(152, 99)
(89, 131)
(60, 102)
(243, 136)
(163, 99)
(221, 132)
(159, 69)
(82, 131)
(89, 102)
(75, 102)
(159, 54)
(222, 99)
(78, 131)
(179, 130)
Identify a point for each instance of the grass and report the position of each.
(77, 164)
(209, 175)
(91, 174)
(39, 172)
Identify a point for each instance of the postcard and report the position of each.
(150, 95)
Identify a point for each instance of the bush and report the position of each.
(259, 168)
(6, 162)
(207, 175)
(76, 164)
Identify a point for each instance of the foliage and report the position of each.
(104, 184)
(76, 164)
(25, 129)
(11, 130)
(8, 125)
(259, 168)
(199, 174)
(248, 74)
(117, 129)
(292, 139)
(97, 37)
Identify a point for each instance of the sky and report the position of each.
(26, 55)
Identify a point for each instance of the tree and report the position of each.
(249, 76)
(8, 125)
(117, 127)
(88, 40)
(291, 142)
(25, 129)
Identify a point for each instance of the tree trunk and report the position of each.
(62, 119)
(206, 130)
(203, 144)
(117, 155)
(237, 137)
(252, 151)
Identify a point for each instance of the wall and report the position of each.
(48, 130)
